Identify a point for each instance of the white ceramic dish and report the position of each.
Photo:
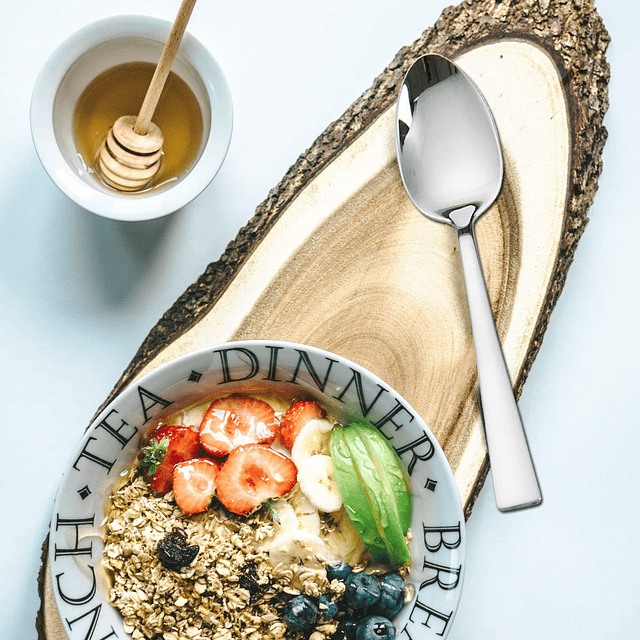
(112, 442)
(82, 57)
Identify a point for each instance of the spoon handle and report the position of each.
(514, 479)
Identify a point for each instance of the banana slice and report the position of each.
(317, 480)
(298, 547)
(343, 541)
(307, 514)
(286, 515)
(314, 438)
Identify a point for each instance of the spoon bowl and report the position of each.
(450, 161)
(448, 143)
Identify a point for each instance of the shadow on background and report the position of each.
(59, 253)
(116, 256)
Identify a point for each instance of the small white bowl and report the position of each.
(85, 55)
(289, 370)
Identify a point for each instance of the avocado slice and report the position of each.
(374, 489)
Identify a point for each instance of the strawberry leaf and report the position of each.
(154, 453)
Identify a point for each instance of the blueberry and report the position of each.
(375, 628)
(392, 591)
(362, 590)
(347, 629)
(300, 612)
(327, 607)
(338, 571)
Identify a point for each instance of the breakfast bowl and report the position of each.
(74, 68)
(134, 559)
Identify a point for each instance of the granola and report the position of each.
(231, 589)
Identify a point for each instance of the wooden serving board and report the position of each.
(339, 258)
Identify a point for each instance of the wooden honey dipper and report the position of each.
(131, 155)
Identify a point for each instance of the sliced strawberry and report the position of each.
(235, 420)
(194, 484)
(252, 474)
(168, 446)
(295, 417)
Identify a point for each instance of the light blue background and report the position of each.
(78, 294)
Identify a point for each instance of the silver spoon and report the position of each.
(451, 165)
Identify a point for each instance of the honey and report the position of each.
(120, 91)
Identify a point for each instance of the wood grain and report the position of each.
(338, 257)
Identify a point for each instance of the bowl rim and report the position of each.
(120, 206)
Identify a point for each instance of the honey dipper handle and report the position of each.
(164, 67)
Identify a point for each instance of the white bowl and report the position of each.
(81, 58)
(112, 442)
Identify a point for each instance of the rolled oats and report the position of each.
(216, 597)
